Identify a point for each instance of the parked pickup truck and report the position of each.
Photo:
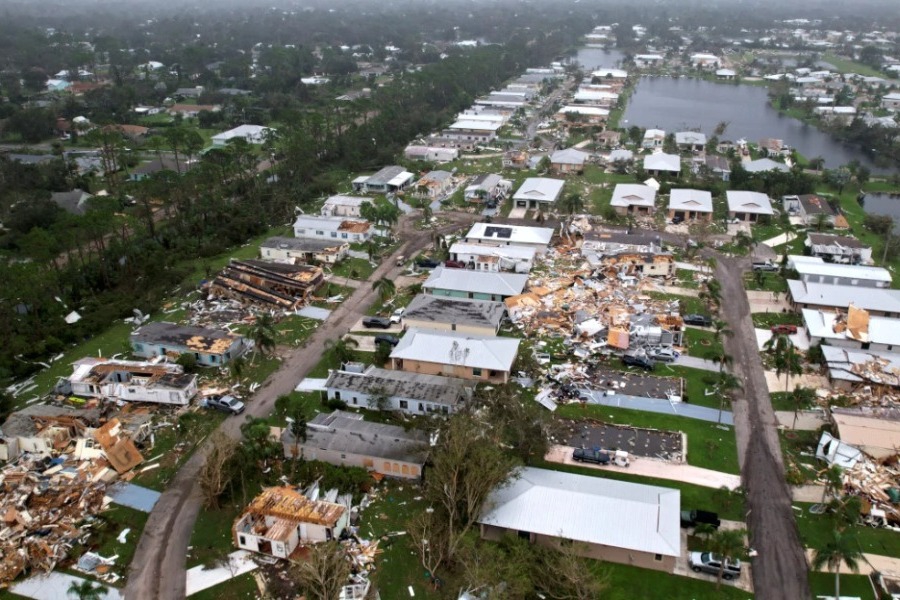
(692, 518)
(766, 266)
(591, 455)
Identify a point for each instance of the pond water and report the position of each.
(594, 58)
(883, 204)
(681, 104)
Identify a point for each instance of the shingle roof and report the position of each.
(446, 348)
(594, 510)
(461, 311)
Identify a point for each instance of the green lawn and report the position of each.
(354, 268)
(797, 448)
(242, 587)
(766, 282)
(822, 584)
(294, 330)
(211, 538)
(629, 583)
(847, 65)
(767, 320)
(708, 446)
(815, 529)
(702, 343)
(686, 279)
(115, 520)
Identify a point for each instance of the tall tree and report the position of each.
(728, 546)
(263, 334)
(841, 548)
(324, 572)
(342, 349)
(385, 288)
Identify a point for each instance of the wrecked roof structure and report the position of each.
(875, 431)
(875, 372)
(272, 285)
(208, 345)
(399, 385)
(130, 381)
(436, 312)
(852, 329)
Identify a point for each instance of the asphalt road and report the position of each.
(158, 567)
(780, 570)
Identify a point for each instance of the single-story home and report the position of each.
(431, 154)
(692, 141)
(334, 228)
(344, 439)
(661, 163)
(761, 165)
(75, 202)
(591, 115)
(130, 381)
(538, 192)
(862, 371)
(478, 317)
(633, 198)
(211, 347)
(690, 205)
(718, 166)
(410, 393)
(838, 248)
(570, 160)
(494, 257)
(881, 302)
(609, 520)
(748, 206)
(653, 138)
(810, 208)
(387, 180)
(344, 206)
(303, 250)
(435, 184)
(280, 519)
(485, 187)
(875, 431)
(813, 269)
(252, 134)
(538, 238)
(477, 285)
(192, 110)
(453, 354)
(855, 329)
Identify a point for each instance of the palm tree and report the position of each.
(720, 328)
(385, 288)
(800, 398)
(236, 368)
(727, 384)
(728, 546)
(834, 481)
(342, 349)
(263, 334)
(787, 361)
(841, 548)
(572, 203)
(86, 590)
(427, 213)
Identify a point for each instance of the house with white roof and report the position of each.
(813, 269)
(660, 164)
(691, 141)
(609, 74)
(653, 138)
(633, 198)
(431, 153)
(690, 205)
(838, 248)
(726, 74)
(570, 160)
(411, 393)
(761, 165)
(881, 302)
(486, 187)
(453, 354)
(538, 192)
(852, 328)
(510, 235)
(648, 60)
(344, 206)
(477, 285)
(891, 101)
(595, 97)
(493, 257)
(607, 519)
(252, 134)
(591, 115)
(341, 229)
(387, 180)
(748, 206)
(702, 60)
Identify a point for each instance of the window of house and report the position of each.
(343, 456)
(404, 404)
(657, 557)
(344, 236)
(476, 372)
(138, 347)
(334, 234)
(337, 395)
(320, 233)
(301, 231)
(242, 540)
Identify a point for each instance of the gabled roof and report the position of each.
(593, 510)
(569, 156)
(662, 162)
(829, 239)
(690, 137)
(74, 202)
(816, 266)
(461, 311)
(542, 189)
(389, 175)
(749, 202)
(633, 194)
(842, 296)
(689, 199)
(289, 504)
(331, 223)
(450, 348)
(463, 280)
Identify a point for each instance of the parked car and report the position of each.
(677, 219)
(663, 355)
(597, 456)
(767, 266)
(228, 404)
(701, 320)
(454, 264)
(401, 260)
(643, 362)
(707, 562)
(692, 518)
(376, 323)
(784, 329)
(397, 315)
(427, 263)
(384, 338)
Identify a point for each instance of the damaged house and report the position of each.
(854, 329)
(210, 347)
(336, 229)
(303, 250)
(129, 381)
(280, 519)
(478, 317)
(838, 248)
(345, 439)
(493, 258)
(477, 285)
(410, 393)
(487, 359)
(43, 430)
(538, 238)
(267, 284)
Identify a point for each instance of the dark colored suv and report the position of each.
(638, 361)
(376, 323)
(384, 338)
(701, 320)
(596, 456)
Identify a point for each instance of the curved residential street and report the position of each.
(780, 567)
(158, 567)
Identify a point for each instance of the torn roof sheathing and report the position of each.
(287, 503)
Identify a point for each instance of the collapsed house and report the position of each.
(478, 317)
(210, 347)
(281, 519)
(856, 329)
(267, 284)
(43, 430)
(870, 374)
(129, 381)
(345, 439)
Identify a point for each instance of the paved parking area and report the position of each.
(635, 440)
(744, 582)
(634, 383)
(394, 328)
(366, 343)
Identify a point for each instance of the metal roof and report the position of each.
(585, 110)
(662, 162)
(594, 510)
(514, 252)
(633, 194)
(301, 244)
(450, 348)
(815, 266)
(690, 137)
(542, 189)
(569, 156)
(689, 199)
(842, 296)
(413, 386)
(463, 280)
(511, 234)
(461, 311)
(764, 164)
(749, 202)
(197, 339)
(342, 200)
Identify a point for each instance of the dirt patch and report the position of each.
(634, 384)
(651, 443)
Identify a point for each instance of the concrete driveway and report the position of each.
(358, 326)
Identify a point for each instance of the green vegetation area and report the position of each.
(702, 343)
(353, 268)
(765, 282)
(846, 65)
(822, 584)
(687, 304)
(111, 523)
(242, 587)
(708, 446)
(797, 447)
(685, 279)
(815, 530)
(767, 320)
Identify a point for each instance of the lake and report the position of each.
(884, 204)
(594, 58)
(682, 104)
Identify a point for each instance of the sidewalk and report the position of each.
(649, 467)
